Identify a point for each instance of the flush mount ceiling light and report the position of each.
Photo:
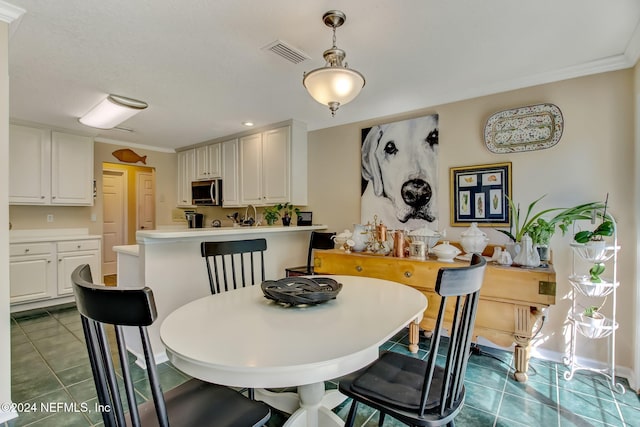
(334, 84)
(112, 111)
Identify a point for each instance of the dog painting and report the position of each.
(400, 174)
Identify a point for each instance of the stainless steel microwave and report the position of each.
(207, 193)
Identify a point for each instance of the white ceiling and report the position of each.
(200, 66)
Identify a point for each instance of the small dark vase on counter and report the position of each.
(286, 220)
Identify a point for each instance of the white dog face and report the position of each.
(399, 161)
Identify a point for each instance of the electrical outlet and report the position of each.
(50, 218)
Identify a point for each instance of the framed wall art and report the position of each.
(478, 195)
(399, 173)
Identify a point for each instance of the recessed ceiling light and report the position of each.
(248, 124)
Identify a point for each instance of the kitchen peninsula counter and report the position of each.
(169, 262)
(148, 236)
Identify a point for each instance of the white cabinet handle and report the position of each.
(42, 197)
(26, 250)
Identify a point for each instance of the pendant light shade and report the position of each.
(112, 111)
(334, 84)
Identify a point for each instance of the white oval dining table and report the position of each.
(241, 339)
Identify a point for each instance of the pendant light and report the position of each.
(334, 84)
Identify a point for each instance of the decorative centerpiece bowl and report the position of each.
(294, 291)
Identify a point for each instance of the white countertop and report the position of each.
(145, 235)
(133, 250)
(50, 234)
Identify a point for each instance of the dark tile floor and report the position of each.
(50, 366)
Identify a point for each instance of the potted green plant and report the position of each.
(271, 214)
(592, 317)
(288, 210)
(540, 229)
(540, 233)
(591, 244)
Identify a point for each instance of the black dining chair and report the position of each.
(422, 392)
(318, 240)
(234, 264)
(194, 403)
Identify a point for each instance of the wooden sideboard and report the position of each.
(512, 299)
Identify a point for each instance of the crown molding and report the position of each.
(613, 63)
(9, 12)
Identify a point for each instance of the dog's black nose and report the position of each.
(416, 192)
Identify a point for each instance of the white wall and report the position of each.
(594, 156)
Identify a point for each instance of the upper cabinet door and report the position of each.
(186, 174)
(29, 165)
(251, 169)
(276, 161)
(208, 162)
(72, 169)
(230, 177)
(213, 156)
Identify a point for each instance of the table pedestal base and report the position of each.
(310, 407)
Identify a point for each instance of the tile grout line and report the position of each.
(504, 388)
(64, 386)
(46, 362)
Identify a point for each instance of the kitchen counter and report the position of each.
(169, 262)
(148, 236)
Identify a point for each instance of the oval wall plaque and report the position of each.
(524, 129)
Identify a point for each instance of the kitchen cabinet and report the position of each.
(49, 168)
(186, 174)
(32, 272)
(40, 271)
(251, 169)
(73, 253)
(273, 166)
(230, 178)
(208, 162)
(71, 169)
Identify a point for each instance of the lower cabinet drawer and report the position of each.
(78, 245)
(17, 249)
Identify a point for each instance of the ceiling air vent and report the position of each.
(289, 53)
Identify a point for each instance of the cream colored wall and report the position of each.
(5, 344)
(594, 156)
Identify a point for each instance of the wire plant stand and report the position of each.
(583, 287)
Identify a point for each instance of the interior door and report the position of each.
(146, 200)
(114, 190)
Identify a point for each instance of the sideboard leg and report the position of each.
(521, 358)
(414, 336)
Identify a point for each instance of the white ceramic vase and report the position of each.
(528, 256)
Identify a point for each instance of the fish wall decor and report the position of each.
(129, 156)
